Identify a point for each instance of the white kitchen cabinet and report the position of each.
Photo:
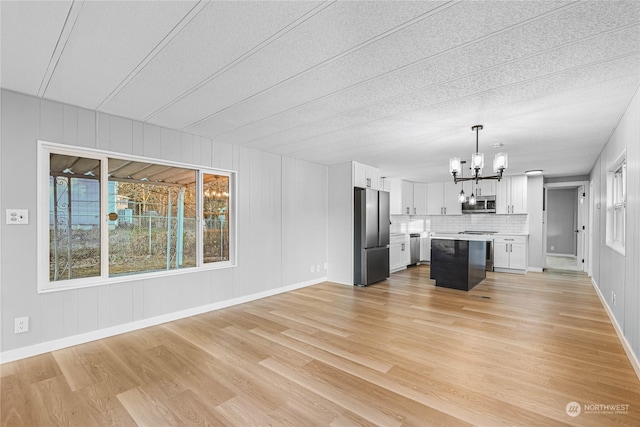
(435, 198)
(365, 176)
(399, 256)
(511, 195)
(442, 199)
(452, 205)
(425, 249)
(510, 253)
(486, 187)
(407, 198)
(419, 198)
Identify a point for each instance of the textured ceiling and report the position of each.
(396, 85)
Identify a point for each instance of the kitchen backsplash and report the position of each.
(456, 223)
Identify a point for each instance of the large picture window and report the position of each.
(110, 217)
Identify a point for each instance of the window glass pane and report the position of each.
(74, 217)
(215, 206)
(154, 217)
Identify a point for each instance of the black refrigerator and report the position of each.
(371, 236)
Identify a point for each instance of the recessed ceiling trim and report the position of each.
(157, 49)
(243, 57)
(63, 38)
(399, 69)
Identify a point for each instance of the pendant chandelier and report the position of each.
(477, 163)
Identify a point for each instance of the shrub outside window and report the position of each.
(111, 218)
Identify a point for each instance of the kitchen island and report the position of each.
(458, 262)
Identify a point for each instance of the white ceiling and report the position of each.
(396, 85)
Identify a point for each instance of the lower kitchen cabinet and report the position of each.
(399, 256)
(510, 253)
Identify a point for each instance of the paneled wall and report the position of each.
(282, 223)
(612, 272)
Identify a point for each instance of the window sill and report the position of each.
(91, 282)
(616, 248)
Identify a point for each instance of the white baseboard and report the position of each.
(535, 269)
(45, 347)
(625, 344)
(562, 255)
(509, 270)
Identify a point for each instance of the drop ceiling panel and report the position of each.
(106, 44)
(329, 33)
(221, 34)
(30, 31)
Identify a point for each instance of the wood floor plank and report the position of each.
(513, 351)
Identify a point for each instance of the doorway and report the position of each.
(565, 231)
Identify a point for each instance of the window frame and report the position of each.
(617, 203)
(45, 148)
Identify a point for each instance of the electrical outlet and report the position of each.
(325, 266)
(17, 216)
(318, 268)
(313, 270)
(613, 298)
(21, 325)
(553, 248)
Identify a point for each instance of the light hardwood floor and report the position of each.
(514, 351)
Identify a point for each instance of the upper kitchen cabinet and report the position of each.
(511, 195)
(408, 198)
(365, 176)
(401, 198)
(419, 198)
(486, 187)
(442, 199)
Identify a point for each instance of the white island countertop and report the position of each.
(471, 237)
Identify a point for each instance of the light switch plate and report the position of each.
(17, 216)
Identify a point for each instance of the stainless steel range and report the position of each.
(489, 245)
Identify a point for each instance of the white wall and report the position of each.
(282, 223)
(613, 272)
(341, 223)
(535, 194)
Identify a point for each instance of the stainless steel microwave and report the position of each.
(484, 204)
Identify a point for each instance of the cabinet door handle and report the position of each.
(506, 247)
(445, 210)
(408, 211)
(414, 211)
(509, 240)
(403, 246)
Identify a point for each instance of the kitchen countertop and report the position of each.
(466, 237)
(436, 234)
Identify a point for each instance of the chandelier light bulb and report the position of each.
(472, 199)
(455, 166)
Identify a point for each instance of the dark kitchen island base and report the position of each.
(458, 263)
